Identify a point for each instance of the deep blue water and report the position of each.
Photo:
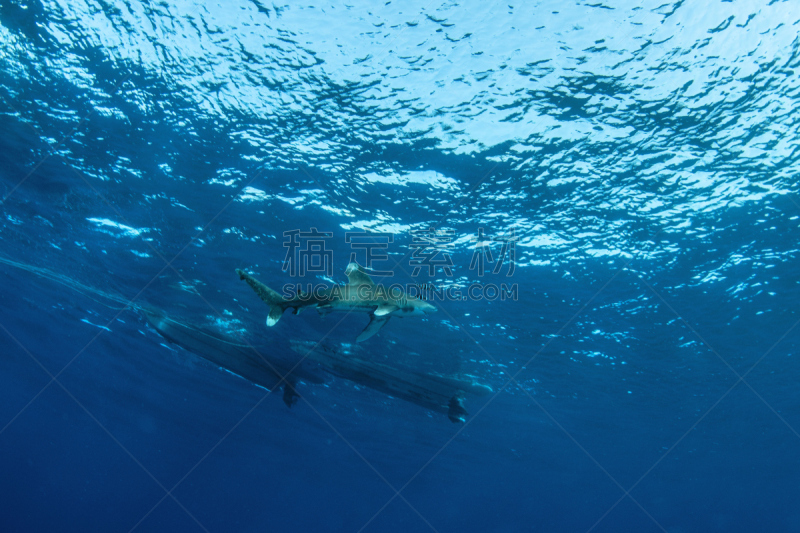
(644, 154)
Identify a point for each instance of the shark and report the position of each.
(360, 295)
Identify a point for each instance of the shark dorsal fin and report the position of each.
(357, 276)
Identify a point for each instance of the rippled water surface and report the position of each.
(643, 156)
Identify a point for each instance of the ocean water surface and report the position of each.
(626, 172)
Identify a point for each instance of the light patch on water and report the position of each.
(227, 177)
(593, 354)
(431, 178)
(337, 210)
(110, 112)
(595, 252)
(116, 229)
(544, 241)
(43, 221)
(451, 327)
(251, 194)
(378, 226)
(227, 183)
(229, 325)
(95, 325)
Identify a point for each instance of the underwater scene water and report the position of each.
(560, 240)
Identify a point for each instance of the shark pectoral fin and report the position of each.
(375, 324)
(384, 310)
(275, 314)
(357, 276)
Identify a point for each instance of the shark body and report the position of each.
(360, 295)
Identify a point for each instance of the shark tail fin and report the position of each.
(276, 303)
